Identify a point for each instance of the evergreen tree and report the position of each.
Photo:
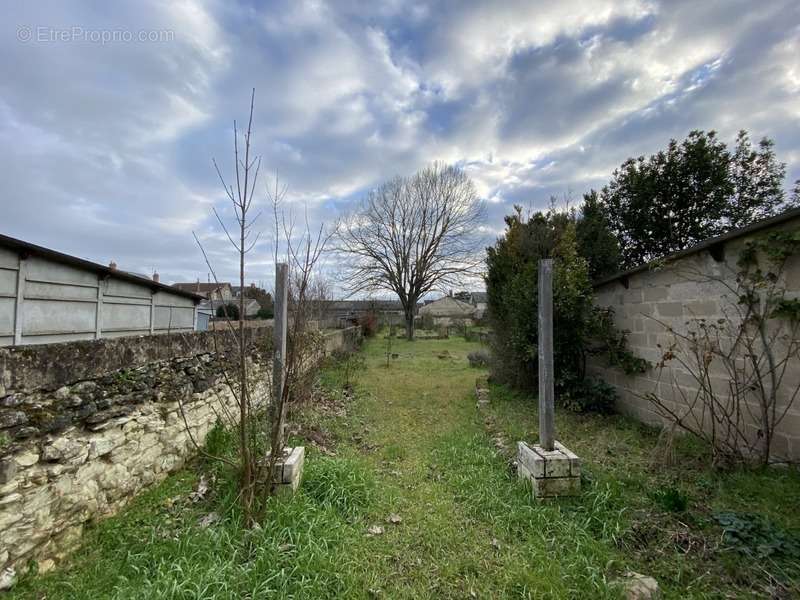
(689, 192)
(596, 242)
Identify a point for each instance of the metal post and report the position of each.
(280, 329)
(546, 393)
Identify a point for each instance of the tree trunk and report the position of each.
(410, 324)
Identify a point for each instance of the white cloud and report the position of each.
(107, 148)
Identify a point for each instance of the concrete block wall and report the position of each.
(670, 297)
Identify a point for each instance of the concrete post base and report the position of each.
(551, 473)
(289, 470)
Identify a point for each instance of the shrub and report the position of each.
(265, 313)
(511, 286)
(230, 310)
(369, 324)
(478, 358)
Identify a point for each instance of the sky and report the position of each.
(111, 112)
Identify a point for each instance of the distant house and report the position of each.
(476, 299)
(218, 292)
(447, 311)
(480, 301)
(47, 296)
(251, 307)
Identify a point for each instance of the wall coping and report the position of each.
(713, 245)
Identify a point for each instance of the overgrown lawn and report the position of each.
(408, 493)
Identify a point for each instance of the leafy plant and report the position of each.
(228, 311)
(265, 313)
(755, 535)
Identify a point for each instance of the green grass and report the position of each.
(411, 443)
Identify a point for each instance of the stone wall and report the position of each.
(650, 301)
(85, 425)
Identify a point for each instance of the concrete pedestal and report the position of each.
(551, 473)
(289, 469)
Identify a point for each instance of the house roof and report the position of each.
(199, 288)
(710, 244)
(28, 249)
(448, 307)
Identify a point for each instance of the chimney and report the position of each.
(112, 265)
(155, 277)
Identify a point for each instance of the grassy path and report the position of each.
(468, 529)
(406, 495)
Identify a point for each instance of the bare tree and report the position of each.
(413, 235)
(260, 422)
(241, 198)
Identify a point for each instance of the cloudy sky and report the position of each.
(107, 144)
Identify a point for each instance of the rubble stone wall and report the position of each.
(86, 425)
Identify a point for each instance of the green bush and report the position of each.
(578, 327)
(511, 286)
(588, 394)
(265, 313)
(755, 535)
(478, 358)
(230, 310)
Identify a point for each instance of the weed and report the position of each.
(756, 535)
(671, 499)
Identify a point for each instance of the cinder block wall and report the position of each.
(669, 297)
(84, 426)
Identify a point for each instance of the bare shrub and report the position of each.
(738, 363)
(262, 403)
